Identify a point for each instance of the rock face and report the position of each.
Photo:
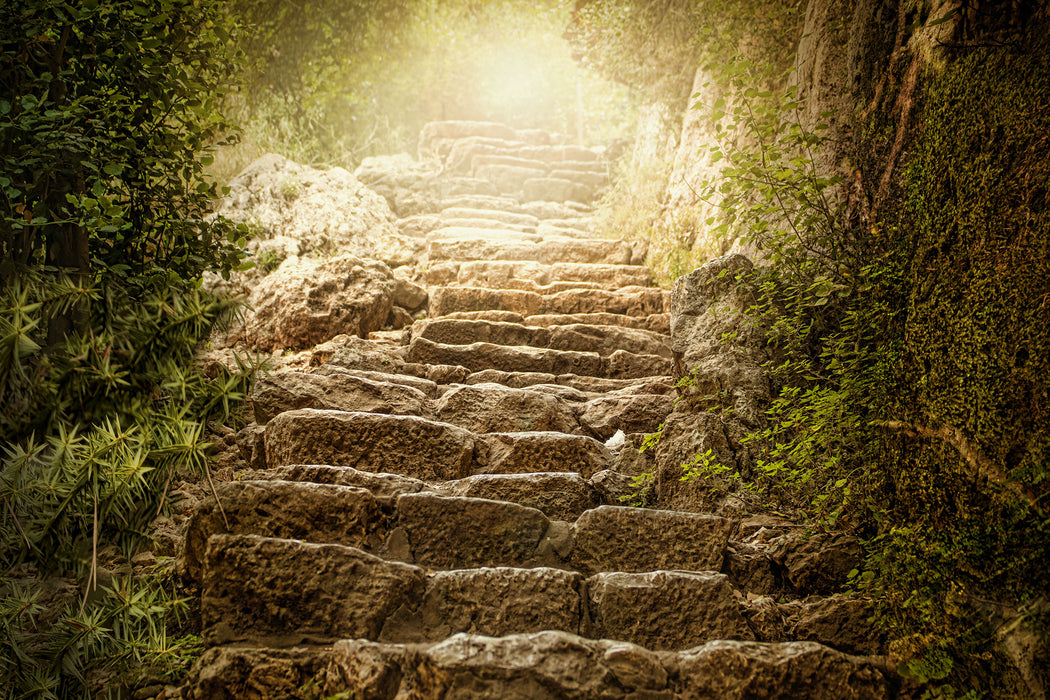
(437, 510)
(307, 301)
(323, 211)
(720, 348)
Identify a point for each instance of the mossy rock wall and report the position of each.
(969, 557)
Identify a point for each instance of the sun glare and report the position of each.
(515, 81)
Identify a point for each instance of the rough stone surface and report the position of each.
(549, 189)
(628, 365)
(480, 356)
(404, 445)
(315, 512)
(707, 306)
(287, 391)
(605, 340)
(306, 302)
(464, 332)
(839, 622)
(819, 564)
(447, 300)
(665, 609)
(456, 533)
(548, 665)
(739, 670)
(685, 436)
(338, 591)
(353, 353)
(558, 495)
(426, 386)
(531, 452)
(492, 408)
(497, 601)
(517, 380)
(547, 251)
(527, 338)
(615, 538)
(632, 301)
(544, 665)
(631, 414)
(384, 487)
(233, 673)
(325, 211)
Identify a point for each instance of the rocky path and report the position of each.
(436, 512)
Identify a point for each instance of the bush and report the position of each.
(107, 110)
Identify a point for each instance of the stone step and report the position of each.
(407, 445)
(480, 356)
(480, 408)
(477, 405)
(510, 179)
(590, 386)
(480, 160)
(550, 665)
(603, 340)
(553, 189)
(459, 155)
(470, 186)
(386, 362)
(657, 323)
(765, 561)
(490, 225)
(548, 230)
(441, 451)
(502, 274)
(456, 532)
(438, 138)
(557, 210)
(558, 495)
(503, 204)
(250, 583)
(548, 251)
(629, 301)
(583, 223)
(476, 229)
(494, 408)
(643, 413)
(506, 217)
(558, 154)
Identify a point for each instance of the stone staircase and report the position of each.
(435, 512)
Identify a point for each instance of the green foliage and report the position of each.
(106, 109)
(912, 368)
(124, 628)
(646, 45)
(332, 82)
(95, 432)
(974, 356)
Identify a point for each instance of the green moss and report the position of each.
(975, 238)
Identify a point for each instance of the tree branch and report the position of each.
(966, 449)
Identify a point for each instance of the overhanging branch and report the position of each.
(966, 449)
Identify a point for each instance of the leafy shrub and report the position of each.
(107, 110)
(95, 433)
(911, 389)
